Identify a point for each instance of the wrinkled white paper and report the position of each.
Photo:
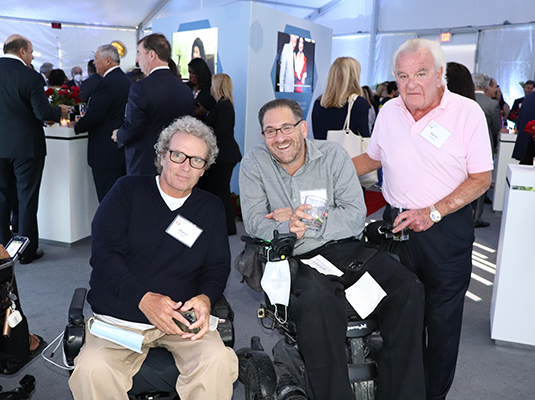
(364, 295)
(323, 266)
(276, 281)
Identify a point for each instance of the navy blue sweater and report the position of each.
(132, 254)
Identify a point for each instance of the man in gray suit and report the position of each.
(491, 108)
(23, 108)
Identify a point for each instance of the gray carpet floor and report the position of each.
(485, 371)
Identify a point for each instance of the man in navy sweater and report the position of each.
(159, 245)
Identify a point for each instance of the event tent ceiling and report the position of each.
(139, 13)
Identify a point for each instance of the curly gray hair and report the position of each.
(191, 126)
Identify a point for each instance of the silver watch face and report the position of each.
(435, 216)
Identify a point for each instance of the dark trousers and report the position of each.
(319, 308)
(105, 178)
(23, 177)
(441, 258)
(15, 349)
(478, 205)
(217, 181)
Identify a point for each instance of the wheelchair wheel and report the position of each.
(260, 379)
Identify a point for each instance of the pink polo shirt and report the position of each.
(416, 172)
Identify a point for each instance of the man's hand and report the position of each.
(201, 307)
(416, 220)
(160, 311)
(65, 110)
(280, 214)
(114, 135)
(296, 226)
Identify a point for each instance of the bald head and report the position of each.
(19, 46)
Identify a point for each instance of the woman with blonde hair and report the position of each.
(221, 119)
(330, 109)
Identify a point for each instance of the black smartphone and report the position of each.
(191, 317)
(17, 245)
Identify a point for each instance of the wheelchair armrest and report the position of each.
(76, 309)
(74, 336)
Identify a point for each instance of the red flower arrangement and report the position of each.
(530, 128)
(63, 95)
(513, 115)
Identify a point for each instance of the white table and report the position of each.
(68, 199)
(505, 151)
(512, 314)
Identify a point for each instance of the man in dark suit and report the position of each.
(86, 90)
(104, 114)
(23, 108)
(153, 103)
(528, 88)
(524, 147)
(76, 73)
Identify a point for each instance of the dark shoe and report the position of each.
(26, 259)
(10, 368)
(481, 224)
(38, 349)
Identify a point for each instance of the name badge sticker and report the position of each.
(184, 231)
(435, 134)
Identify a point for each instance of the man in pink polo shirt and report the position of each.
(434, 148)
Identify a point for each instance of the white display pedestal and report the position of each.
(505, 150)
(512, 313)
(67, 199)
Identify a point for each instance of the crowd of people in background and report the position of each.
(126, 113)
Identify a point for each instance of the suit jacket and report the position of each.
(105, 114)
(517, 104)
(88, 86)
(524, 141)
(153, 103)
(72, 82)
(491, 108)
(23, 108)
(221, 119)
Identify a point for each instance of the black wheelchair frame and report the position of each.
(158, 375)
(284, 377)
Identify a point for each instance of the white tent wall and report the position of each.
(71, 45)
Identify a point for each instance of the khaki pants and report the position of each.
(104, 370)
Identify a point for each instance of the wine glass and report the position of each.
(82, 109)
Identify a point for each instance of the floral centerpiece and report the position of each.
(64, 95)
(530, 128)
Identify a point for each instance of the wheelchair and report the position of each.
(158, 374)
(284, 377)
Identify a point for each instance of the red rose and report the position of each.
(530, 128)
(64, 87)
(75, 88)
(49, 92)
(77, 100)
(74, 94)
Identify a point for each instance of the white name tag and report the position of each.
(435, 134)
(184, 231)
(321, 193)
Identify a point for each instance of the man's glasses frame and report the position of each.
(178, 158)
(286, 129)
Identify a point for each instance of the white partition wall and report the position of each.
(247, 52)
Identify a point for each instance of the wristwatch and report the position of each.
(435, 215)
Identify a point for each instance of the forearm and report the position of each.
(472, 188)
(364, 164)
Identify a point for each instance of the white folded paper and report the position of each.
(364, 295)
(323, 266)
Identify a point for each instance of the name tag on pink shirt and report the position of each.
(435, 134)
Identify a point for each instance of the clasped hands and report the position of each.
(160, 311)
(293, 217)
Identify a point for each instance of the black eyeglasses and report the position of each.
(179, 158)
(286, 129)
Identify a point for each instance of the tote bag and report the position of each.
(354, 143)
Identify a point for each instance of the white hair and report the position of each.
(416, 45)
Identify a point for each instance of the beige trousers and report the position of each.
(104, 370)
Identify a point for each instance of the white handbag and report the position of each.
(353, 143)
